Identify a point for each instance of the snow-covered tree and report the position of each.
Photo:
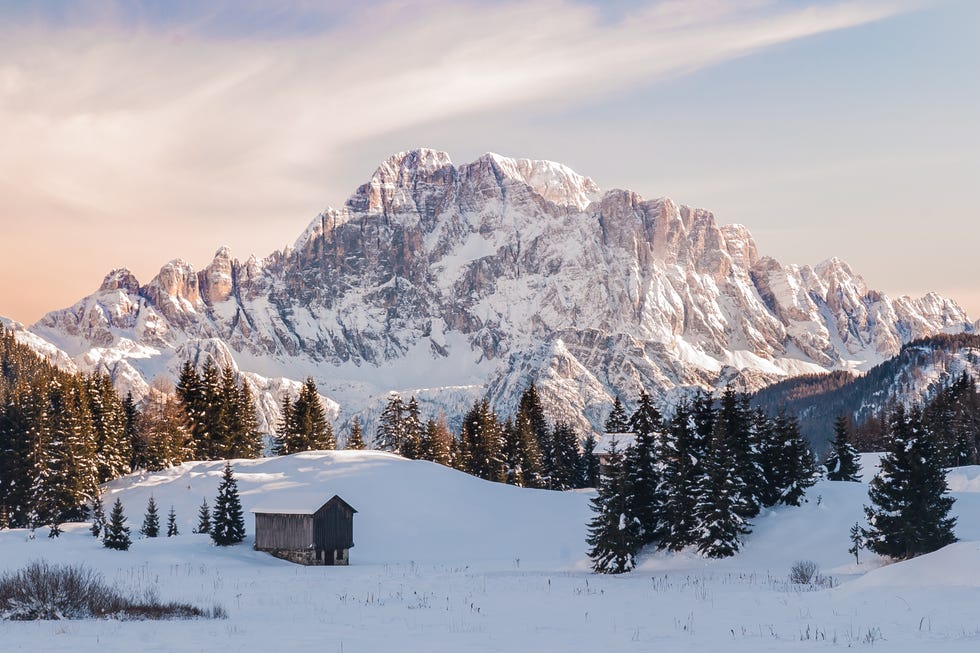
(116, 531)
(618, 421)
(98, 516)
(151, 520)
(390, 432)
(228, 520)
(172, 523)
(643, 471)
(614, 537)
(842, 462)
(355, 440)
(719, 522)
(203, 518)
(909, 511)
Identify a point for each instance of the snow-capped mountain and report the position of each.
(451, 282)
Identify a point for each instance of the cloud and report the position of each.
(157, 121)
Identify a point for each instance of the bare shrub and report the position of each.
(43, 591)
(803, 572)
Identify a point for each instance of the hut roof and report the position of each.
(299, 505)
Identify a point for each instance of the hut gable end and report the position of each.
(323, 536)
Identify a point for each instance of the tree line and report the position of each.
(62, 434)
(524, 449)
(693, 479)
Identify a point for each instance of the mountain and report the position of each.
(455, 282)
(913, 377)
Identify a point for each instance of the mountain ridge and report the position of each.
(434, 275)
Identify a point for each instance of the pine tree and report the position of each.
(228, 524)
(98, 516)
(798, 466)
(284, 430)
(304, 425)
(910, 505)
(614, 536)
(113, 446)
(162, 429)
(643, 471)
(733, 412)
(857, 542)
(513, 470)
(355, 440)
(618, 421)
(412, 431)
(482, 440)
(151, 521)
(130, 422)
(203, 518)
(842, 462)
(390, 433)
(590, 462)
(439, 441)
(172, 523)
(680, 479)
(720, 524)
(244, 438)
(538, 448)
(54, 530)
(565, 457)
(116, 531)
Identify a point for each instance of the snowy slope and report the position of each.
(489, 274)
(447, 562)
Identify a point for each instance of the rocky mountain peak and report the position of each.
(457, 282)
(121, 279)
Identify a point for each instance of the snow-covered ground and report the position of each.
(447, 562)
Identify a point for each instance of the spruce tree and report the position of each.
(172, 523)
(412, 431)
(228, 522)
(355, 440)
(842, 462)
(482, 438)
(390, 432)
(910, 507)
(116, 531)
(539, 446)
(98, 516)
(857, 542)
(680, 479)
(439, 441)
(797, 462)
(565, 457)
(304, 425)
(733, 413)
(618, 421)
(244, 438)
(513, 471)
(203, 518)
(590, 462)
(614, 537)
(151, 521)
(719, 522)
(643, 471)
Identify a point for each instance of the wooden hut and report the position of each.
(309, 537)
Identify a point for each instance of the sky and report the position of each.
(132, 133)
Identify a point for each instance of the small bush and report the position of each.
(803, 572)
(43, 591)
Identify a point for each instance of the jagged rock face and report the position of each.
(491, 274)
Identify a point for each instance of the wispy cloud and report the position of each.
(166, 119)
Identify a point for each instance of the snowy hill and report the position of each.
(447, 562)
(455, 282)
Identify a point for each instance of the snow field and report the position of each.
(447, 562)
